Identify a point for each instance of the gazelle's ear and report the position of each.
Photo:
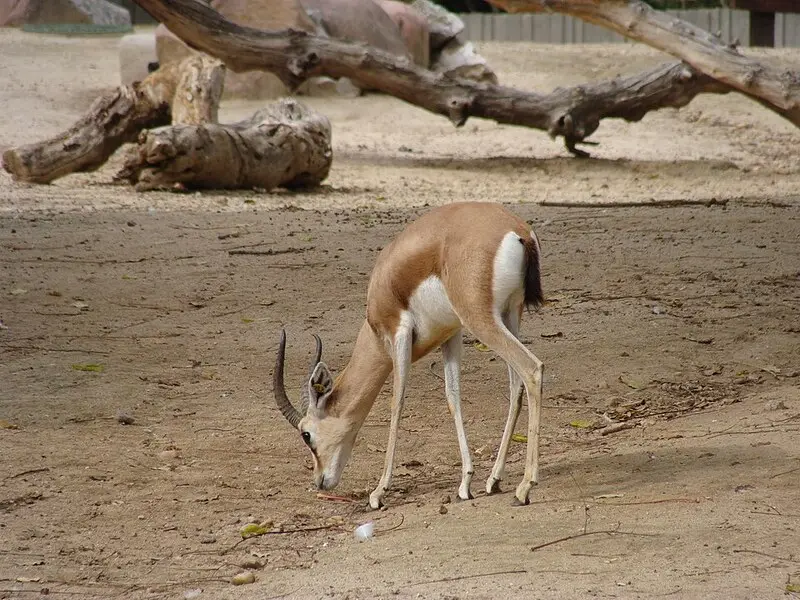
(320, 386)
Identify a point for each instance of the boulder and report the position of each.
(459, 60)
(136, 52)
(358, 21)
(253, 85)
(442, 24)
(261, 14)
(413, 29)
(15, 13)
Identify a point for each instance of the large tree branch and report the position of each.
(775, 88)
(295, 56)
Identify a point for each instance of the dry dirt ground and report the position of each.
(684, 321)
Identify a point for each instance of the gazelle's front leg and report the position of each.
(402, 362)
(451, 351)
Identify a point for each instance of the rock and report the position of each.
(15, 13)
(445, 500)
(136, 51)
(459, 60)
(271, 15)
(442, 510)
(169, 455)
(777, 405)
(243, 578)
(443, 25)
(413, 29)
(358, 21)
(253, 85)
(251, 564)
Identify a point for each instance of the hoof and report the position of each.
(494, 487)
(469, 497)
(375, 502)
(518, 502)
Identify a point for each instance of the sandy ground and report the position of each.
(684, 321)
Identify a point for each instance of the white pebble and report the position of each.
(365, 531)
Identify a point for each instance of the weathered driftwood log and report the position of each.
(198, 91)
(777, 89)
(295, 56)
(117, 117)
(284, 145)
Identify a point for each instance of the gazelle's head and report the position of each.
(329, 437)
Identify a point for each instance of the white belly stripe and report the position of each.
(431, 310)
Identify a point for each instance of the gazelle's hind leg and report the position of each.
(498, 337)
(511, 320)
(451, 351)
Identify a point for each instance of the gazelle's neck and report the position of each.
(361, 380)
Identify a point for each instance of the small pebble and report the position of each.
(131, 223)
(209, 539)
(777, 405)
(442, 510)
(445, 500)
(251, 564)
(243, 578)
(168, 455)
(124, 418)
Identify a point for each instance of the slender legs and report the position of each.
(402, 363)
(511, 321)
(530, 370)
(523, 369)
(451, 351)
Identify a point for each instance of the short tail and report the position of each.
(534, 298)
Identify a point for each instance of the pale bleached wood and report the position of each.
(198, 91)
(284, 145)
(775, 87)
(294, 56)
(183, 92)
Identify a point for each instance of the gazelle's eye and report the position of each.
(307, 438)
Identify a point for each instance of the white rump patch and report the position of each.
(508, 285)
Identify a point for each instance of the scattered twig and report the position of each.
(610, 532)
(393, 527)
(28, 472)
(643, 502)
(214, 428)
(334, 498)
(461, 577)
(632, 203)
(268, 252)
(773, 430)
(767, 554)
(774, 514)
(614, 428)
(434, 373)
(46, 349)
(785, 473)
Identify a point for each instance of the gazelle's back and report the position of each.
(451, 251)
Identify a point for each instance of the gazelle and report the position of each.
(473, 265)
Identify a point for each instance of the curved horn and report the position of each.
(279, 390)
(317, 355)
(311, 367)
